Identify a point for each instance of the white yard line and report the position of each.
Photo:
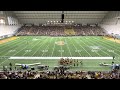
(118, 44)
(4, 61)
(53, 48)
(88, 46)
(31, 48)
(100, 49)
(68, 48)
(114, 52)
(55, 58)
(75, 47)
(61, 46)
(40, 46)
(21, 49)
(105, 52)
(14, 48)
(83, 48)
(111, 47)
(7, 43)
(47, 46)
(12, 55)
(74, 66)
(13, 44)
(7, 59)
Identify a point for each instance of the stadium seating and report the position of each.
(61, 74)
(60, 30)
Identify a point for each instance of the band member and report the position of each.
(81, 62)
(112, 62)
(10, 64)
(113, 57)
(74, 62)
(10, 69)
(77, 63)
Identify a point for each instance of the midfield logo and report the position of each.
(60, 43)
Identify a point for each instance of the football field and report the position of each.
(73, 46)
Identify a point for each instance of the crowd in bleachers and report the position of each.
(88, 30)
(41, 30)
(62, 74)
(59, 30)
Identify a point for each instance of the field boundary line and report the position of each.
(13, 44)
(99, 49)
(83, 48)
(53, 48)
(47, 46)
(7, 59)
(88, 47)
(61, 47)
(61, 57)
(75, 47)
(109, 46)
(68, 47)
(40, 45)
(19, 51)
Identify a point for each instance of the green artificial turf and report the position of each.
(74, 46)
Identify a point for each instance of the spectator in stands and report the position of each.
(59, 30)
(62, 74)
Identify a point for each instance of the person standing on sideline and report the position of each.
(77, 63)
(81, 62)
(10, 64)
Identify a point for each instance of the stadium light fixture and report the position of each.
(1, 21)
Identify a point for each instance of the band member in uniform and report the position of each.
(10, 64)
(113, 57)
(77, 63)
(81, 62)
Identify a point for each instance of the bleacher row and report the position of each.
(61, 74)
(60, 30)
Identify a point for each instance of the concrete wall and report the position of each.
(111, 23)
(8, 29)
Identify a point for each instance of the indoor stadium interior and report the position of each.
(59, 44)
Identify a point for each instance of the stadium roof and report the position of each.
(76, 16)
